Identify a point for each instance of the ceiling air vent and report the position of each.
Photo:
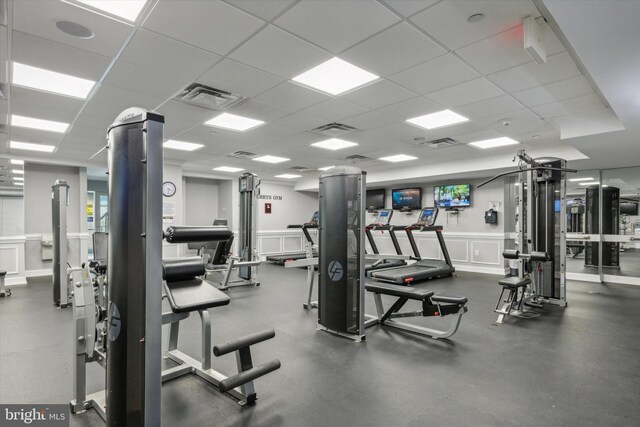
(208, 97)
(299, 169)
(242, 155)
(334, 129)
(440, 143)
(357, 158)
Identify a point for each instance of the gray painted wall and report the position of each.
(225, 202)
(11, 216)
(296, 207)
(201, 201)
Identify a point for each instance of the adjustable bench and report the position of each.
(186, 293)
(432, 305)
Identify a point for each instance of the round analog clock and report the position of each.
(168, 189)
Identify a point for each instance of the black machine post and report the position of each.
(59, 204)
(341, 254)
(610, 225)
(249, 191)
(134, 350)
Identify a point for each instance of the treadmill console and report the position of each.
(428, 216)
(384, 216)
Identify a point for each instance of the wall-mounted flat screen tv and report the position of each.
(452, 196)
(375, 199)
(629, 208)
(406, 198)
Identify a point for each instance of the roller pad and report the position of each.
(176, 234)
(182, 268)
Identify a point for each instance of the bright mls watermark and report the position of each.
(44, 415)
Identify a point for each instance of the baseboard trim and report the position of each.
(15, 281)
(478, 269)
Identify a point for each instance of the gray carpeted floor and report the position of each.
(577, 366)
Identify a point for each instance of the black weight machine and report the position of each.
(541, 237)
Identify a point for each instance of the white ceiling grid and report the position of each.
(427, 54)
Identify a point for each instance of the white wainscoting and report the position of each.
(276, 242)
(12, 259)
(78, 245)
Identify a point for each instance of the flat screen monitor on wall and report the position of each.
(407, 198)
(452, 196)
(629, 208)
(375, 199)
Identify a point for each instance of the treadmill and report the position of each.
(381, 223)
(423, 269)
(313, 224)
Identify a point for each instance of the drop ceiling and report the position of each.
(428, 56)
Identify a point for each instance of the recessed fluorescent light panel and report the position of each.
(17, 162)
(50, 81)
(590, 183)
(398, 158)
(17, 172)
(129, 9)
(494, 142)
(227, 169)
(438, 120)
(334, 144)
(18, 178)
(271, 159)
(181, 145)
(326, 168)
(31, 123)
(288, 176)
(335, 76)
(16, 145)
(18, 183)
(581, 179)
(233, 122)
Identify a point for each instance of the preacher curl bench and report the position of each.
(432, 306)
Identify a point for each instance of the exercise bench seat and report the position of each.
(185, 291)
(514, 282)
(432, 306)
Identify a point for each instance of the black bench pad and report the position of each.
(514, 282)
(194, 294)
(449, 299)
(399, 291)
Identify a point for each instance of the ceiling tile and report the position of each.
(498, 105)
(105, 111)
(260, 111)
(409, 7)
(177, 59)
(266, 10)
(335, 109)
(569, 106)
(144, 80)
(39, 52)
(43, 110)
(447, 21)
(378, 94)
(125, 98)
(439, 73)
(558, 67)
(210, 25)
(238, 78)
(188, 113)
(554, 92)
(370, 120)
(410, 108)
(98, 123)
(515, 118)
(403, 46)
(466, 93)
(301, 121)
(277, 52)
(336, 24)
(496, 53)
(109, 34)
(33, 135)
(291, 96)
(56, 104)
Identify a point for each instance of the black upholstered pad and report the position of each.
(182, 268)
(2, 273)
(194, 294)
(514, 282)
(399, 291)
(449, 299)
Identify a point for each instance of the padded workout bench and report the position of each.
(186, 293)
(432, 305)
(517, 287)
